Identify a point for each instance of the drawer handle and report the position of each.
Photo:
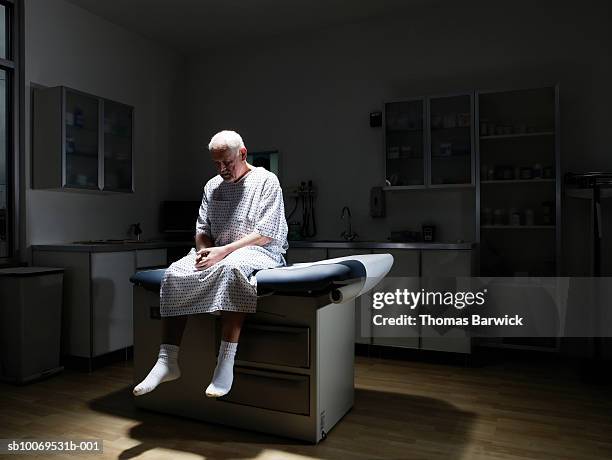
(272, 328)
(272, 375)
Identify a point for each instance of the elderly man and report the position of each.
(241, 228)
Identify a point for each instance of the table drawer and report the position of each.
(273, 344)
(270, 390)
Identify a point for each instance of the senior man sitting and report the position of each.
(241, 228)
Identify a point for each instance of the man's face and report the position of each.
(228, 163)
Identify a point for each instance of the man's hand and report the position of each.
(207, 257)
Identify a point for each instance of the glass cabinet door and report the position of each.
(450, 121)
(117, 146)
(404, 143)
(81, 140)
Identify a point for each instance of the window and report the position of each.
(9, 126)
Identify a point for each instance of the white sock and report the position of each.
(165, 369)
(224, 372)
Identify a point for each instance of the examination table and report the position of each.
(293, 373)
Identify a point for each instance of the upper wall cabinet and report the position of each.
(429, 142)
(405, 143)
(81, 141)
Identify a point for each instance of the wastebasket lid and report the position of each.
(29, 271)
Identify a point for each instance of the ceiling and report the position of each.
(191, 25)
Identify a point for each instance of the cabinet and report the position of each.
(403, 275)
(439, 272)
(429, 142)
(81, 141)
(362, 310)
(519, 189)
(97, 308)
(412, 269)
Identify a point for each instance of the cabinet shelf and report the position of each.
(454, 128)
(511, 227)
(518, 181)
(405, 158)
(509, 136)
(450, 157)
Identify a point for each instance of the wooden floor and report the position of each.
(403, 410)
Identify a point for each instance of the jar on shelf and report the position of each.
(529, 217)
(514, 217)
(526, 173)
(537, 171)
(547, 212)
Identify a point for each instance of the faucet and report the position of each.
(347, 234)
(136, 229)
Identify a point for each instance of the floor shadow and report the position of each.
(396, 421)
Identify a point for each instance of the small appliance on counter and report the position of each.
(429, 233)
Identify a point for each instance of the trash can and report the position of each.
(30, 322)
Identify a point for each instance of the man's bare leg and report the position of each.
(223, 376)
(166, 368)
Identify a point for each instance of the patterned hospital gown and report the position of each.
(229, 211)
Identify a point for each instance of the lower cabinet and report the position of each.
(413, 269)
(97, 308)
(111, 298)
(439, 272)
(403, 275)
(362, 310)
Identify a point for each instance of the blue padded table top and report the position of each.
(313, 278)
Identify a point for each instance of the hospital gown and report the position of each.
(229, 211)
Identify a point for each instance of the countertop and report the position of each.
(112, 246)
(380, 245)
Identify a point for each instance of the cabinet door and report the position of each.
(451, 140)
(361, 311)
(439, 270)
(117, 147)
(76, 306)
(404, 143)
(404, 274)
(112, 300)
(81, 140)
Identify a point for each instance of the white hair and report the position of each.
(225, 140)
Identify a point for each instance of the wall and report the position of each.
(68, 46)
(310, 97)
